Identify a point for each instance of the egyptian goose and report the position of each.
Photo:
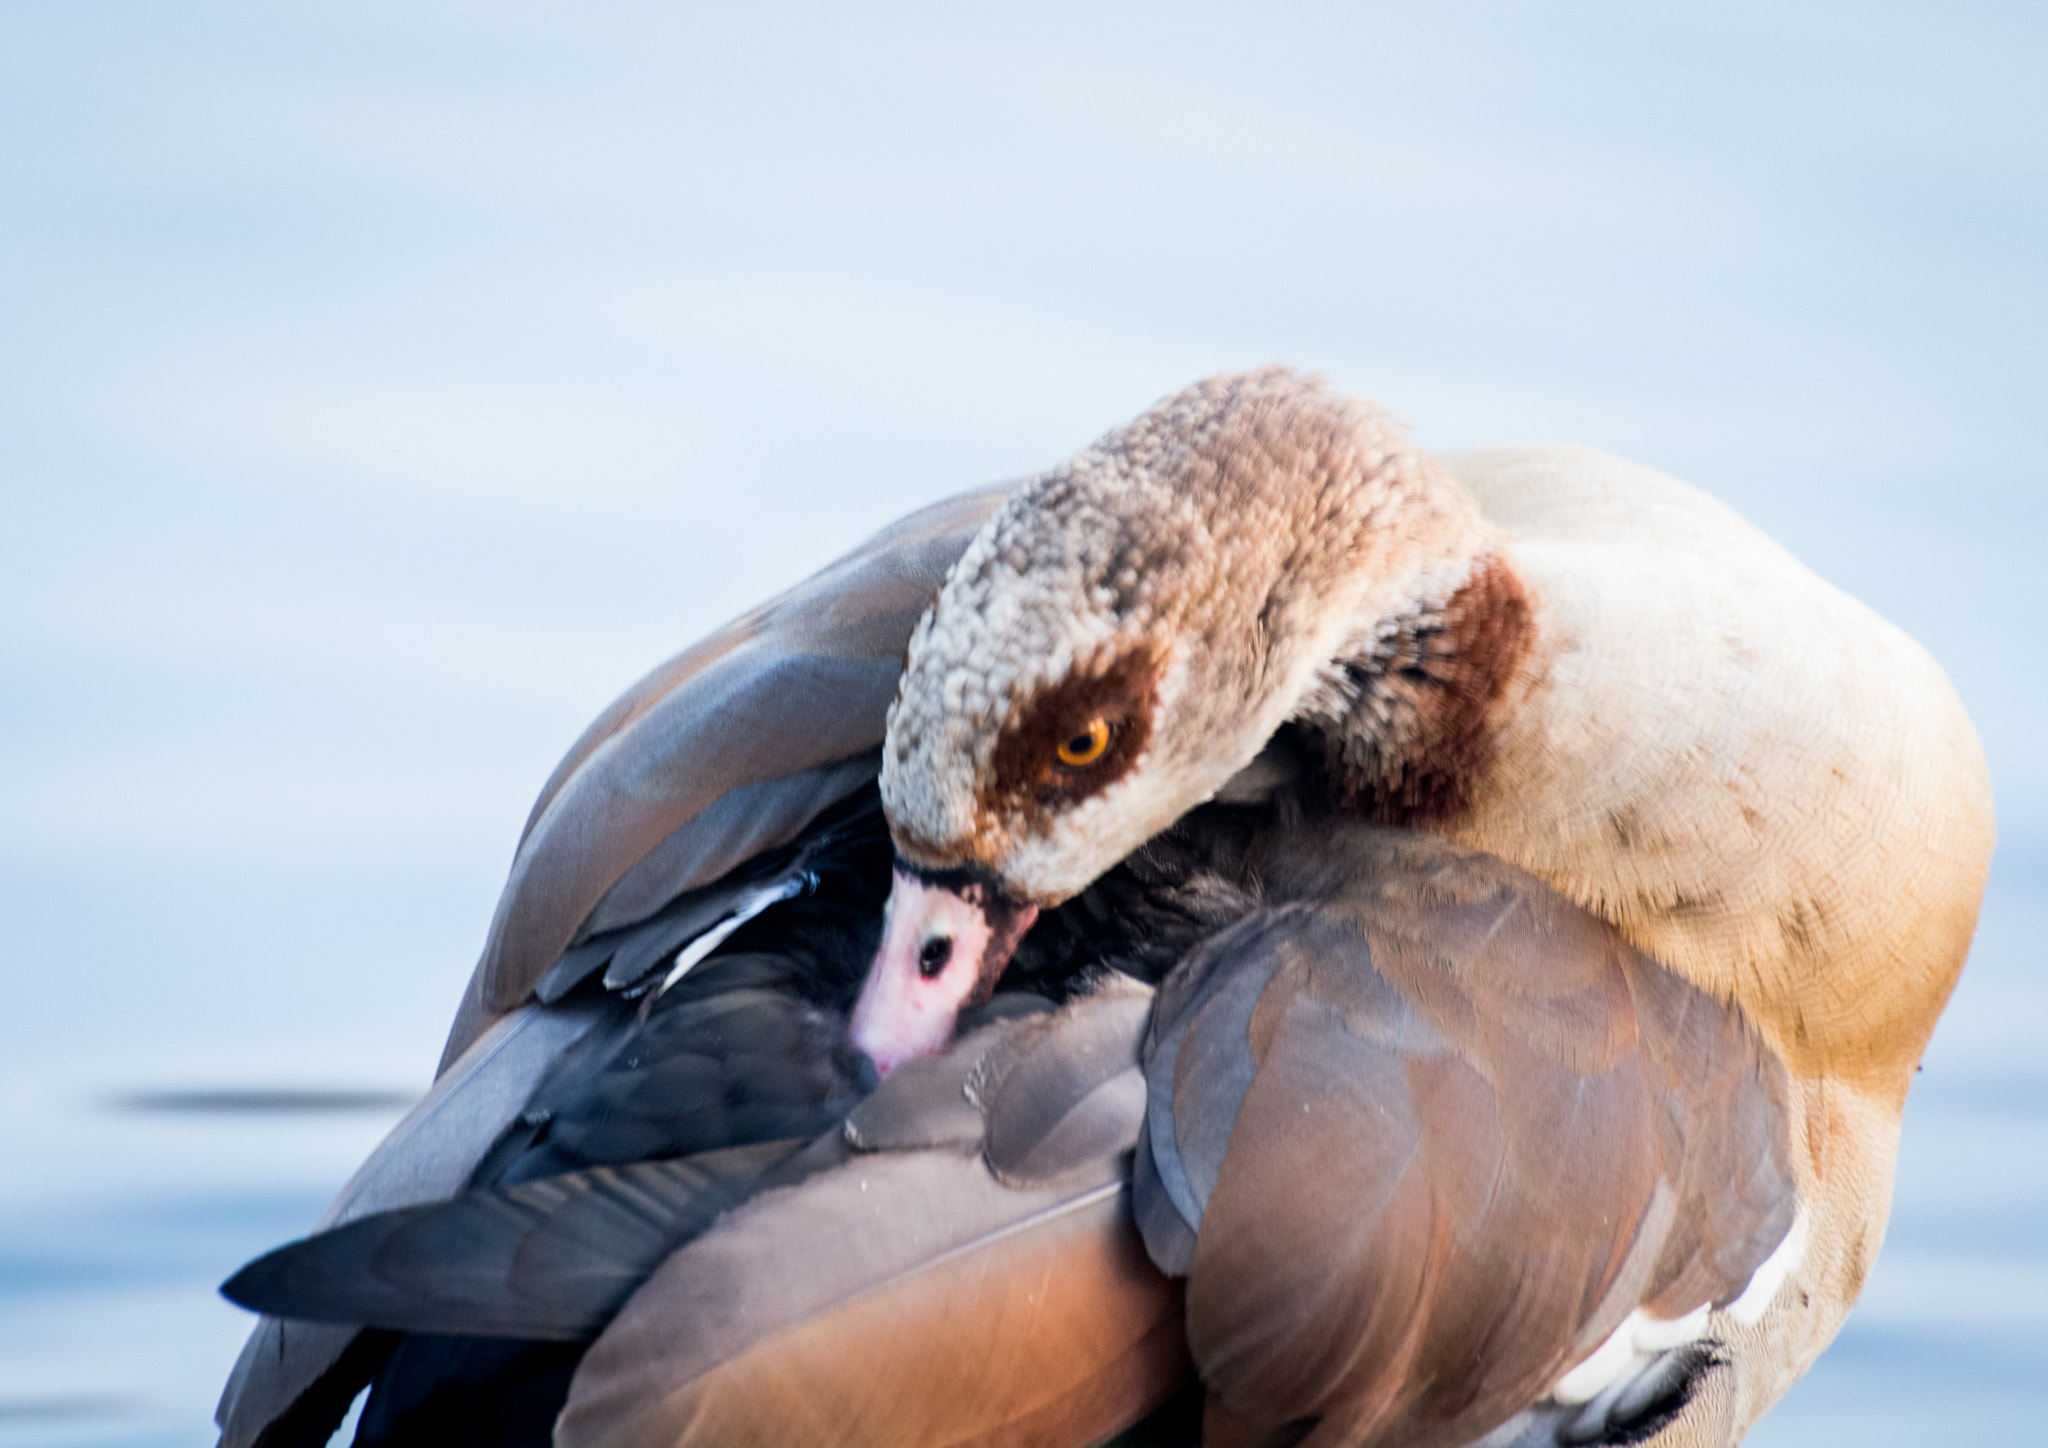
(1550, 886)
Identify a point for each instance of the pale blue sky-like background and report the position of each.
(384, 386)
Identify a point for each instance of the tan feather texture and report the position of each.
(1236, 537)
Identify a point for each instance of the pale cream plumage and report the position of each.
(1767, 787)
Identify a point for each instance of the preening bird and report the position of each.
(1295, 941)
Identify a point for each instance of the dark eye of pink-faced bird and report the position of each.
(1548, 885)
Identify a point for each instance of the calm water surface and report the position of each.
(132, 1211)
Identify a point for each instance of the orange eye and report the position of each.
(1087, 746)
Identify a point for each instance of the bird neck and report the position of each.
(1404, 717)
(1764, 786)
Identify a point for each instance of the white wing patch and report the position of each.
(1767, 1279)
(748, 907)
(1634, 1347)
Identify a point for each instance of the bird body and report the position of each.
(1424, 790)
(1764, 784)
(1766, 787)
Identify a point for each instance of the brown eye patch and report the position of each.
(1077, 736)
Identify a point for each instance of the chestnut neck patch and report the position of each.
(1419, 722)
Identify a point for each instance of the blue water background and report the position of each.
(385, 385)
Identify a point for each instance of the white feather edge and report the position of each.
(1642, 1338)
(748, 907)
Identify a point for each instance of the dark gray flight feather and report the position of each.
(549, 1260)
(428, 1156)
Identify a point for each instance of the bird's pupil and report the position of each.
(932, 958)
(1087, 746)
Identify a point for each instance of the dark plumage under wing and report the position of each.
(1423, 1138)
(548, 1260)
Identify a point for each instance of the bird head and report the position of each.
(1121, 638)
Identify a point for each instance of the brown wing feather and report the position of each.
(915, 1296)
(1459, 1133)
(792, 691)
(1026, 1318)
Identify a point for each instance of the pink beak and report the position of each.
(942, 950)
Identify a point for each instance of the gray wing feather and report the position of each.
(745, 822)
(547, 1260)
(1070, 1093)
(428, 1156)
(1500, 1129)
(779, 703)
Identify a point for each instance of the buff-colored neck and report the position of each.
(1762, 783)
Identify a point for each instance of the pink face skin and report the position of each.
(941, 952)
